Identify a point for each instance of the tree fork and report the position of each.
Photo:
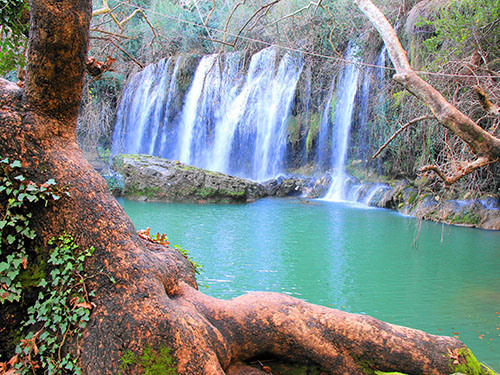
(155, 300)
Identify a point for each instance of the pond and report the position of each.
(442, 279)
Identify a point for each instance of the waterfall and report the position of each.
(346, 93)
(231, 121)
(323, 154)
(142, 109)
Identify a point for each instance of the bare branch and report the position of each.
(209, 14)
(112, 34)
(127, 54)
(418, 119)
(226, 26)
(462, 171)
(311, 3)
(263, 7)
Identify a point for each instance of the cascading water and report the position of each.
(323, 154)
(346, 93)
(233, 117)
(142, 112)
(230, 121)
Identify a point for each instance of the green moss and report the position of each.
(412, 197)
(150, 362)
(149, 192)
(33, 274)
(468, 218)
(236, 194)
(313, 131)
(206, 192)
(293, 129)
(469, 365)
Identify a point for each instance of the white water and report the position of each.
(323, 155)
(191, 116)
(346, 93)
(231, 121)
(142, 109)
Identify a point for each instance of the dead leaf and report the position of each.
(86, 305)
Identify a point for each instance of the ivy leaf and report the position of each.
(15, 164)
(11, 239)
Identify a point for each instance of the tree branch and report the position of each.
(462, 171)
(480, 141)
(421, 118)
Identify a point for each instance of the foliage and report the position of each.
(62, 308)
(151, 362)
(17, 195)
(60, 313)
(14, 28)
(466, 25)
(198, 268)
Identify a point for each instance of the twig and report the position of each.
(311, 3)
(265, 6)
(421, 118)
(112, 34)
(128, 54)
(209, 14)
(463, 171)
(230, 17)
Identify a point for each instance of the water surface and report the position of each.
(441, 279)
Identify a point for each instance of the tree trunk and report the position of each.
(155, 300)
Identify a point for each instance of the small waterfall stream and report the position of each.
(323, 155)
(346, 93)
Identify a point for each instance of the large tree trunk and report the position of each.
(155, 300)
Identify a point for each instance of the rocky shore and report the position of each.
(145, 177)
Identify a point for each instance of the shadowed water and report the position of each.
(343, 256)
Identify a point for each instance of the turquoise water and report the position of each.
(441, 279)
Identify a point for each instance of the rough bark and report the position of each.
(155, 299)
(481, 143)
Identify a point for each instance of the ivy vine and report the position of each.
(16, 193)
(63, 306)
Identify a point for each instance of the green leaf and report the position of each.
(50, 182)
(11, 239)
(15, 164)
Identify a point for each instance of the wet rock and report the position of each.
(287, 187)
(152, 178)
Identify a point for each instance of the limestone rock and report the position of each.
(152, 178)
